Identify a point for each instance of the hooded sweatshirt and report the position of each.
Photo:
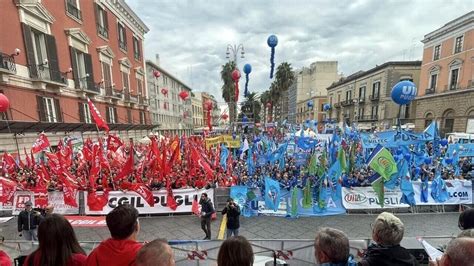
(114, 252)
(387, 256)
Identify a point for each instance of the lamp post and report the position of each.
(234, 49)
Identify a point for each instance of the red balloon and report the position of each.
(156, 73)
(269, 104)
(4, 103)
(236, 74)
(208, 105)
(225, 116)
(164, 91)
(183, 95)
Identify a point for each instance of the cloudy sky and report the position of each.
(191, 36)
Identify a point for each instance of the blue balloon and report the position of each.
(272, 40)
(449, 160)
(310, 103)
(247, 68)
(417, 170)
(443, 142)
(315, 123)
(407, 156)
(428, 160)
(404, 92)
(399, 151)
(326, 106)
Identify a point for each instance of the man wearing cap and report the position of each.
(233, 212)
(28, 221)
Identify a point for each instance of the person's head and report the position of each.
(460, 251)
(123, 222)
(49, 209)
(235, 251)
(466, 219)
(204, 196)
(230, 201)
(57, 241)
(387, 229)
(331, 245)
(155, 253)
(28, 205)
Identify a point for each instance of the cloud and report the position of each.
(191, 36)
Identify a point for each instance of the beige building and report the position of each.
(198, 118)
(364, 97)
(310, 82)
(446, 91)
(316, 112)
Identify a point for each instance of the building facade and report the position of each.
(56, 54)
(446, 91)
(198, 117)
(315, 112)
(167, 108)
(310, 82)
(215, 112)
(364, 97)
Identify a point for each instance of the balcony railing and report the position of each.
(102, 31)
(361, 100)
(337, 105)
(363, 118)
(7, 63)
(347, 102)
(430, 91)
(44, 73)
(374, 97)
(123, 45)
(111, 92)
(73, 10)
(142, 100)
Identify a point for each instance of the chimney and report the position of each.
(157, 59)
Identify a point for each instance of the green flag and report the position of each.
(377, 185)
(313, 165)
(382, 162)
(294, 202)
(341, 157)
(307, 195)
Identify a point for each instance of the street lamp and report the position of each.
(234, 49)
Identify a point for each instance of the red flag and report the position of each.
(96, 200)
(113, 143)
(41, 197)
(128, 167)
(195, 206)
(8, 189)
(142, 190)
(8, 163)
(170, 200)
(209, 124)
(176, 152)
(40, 144)
(29, 163)
(163, 171)
(99, 121)
(70, 193)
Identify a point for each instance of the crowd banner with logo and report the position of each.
(365, 198)
(464, 150)
(55, 198)
(184, 199)
(228, 140)
(87, 221)
(393, 139)
(460, 192)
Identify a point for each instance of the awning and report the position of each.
(20, 127)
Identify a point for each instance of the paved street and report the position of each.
(357, 226)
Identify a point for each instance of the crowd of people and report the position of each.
(58, 245)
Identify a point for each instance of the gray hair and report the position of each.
(460, 251)
(154, 253)
(389, 229)
(334, 243)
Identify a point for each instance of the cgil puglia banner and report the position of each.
(184, 199)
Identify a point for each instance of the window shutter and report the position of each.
(53, 63)
(107, 114)
(75, 69)
(59, 113)
(129, 116)
(89, 70)
(30, 52)
(81, 112)
(97, 17)
(115, 115)
(41, 108)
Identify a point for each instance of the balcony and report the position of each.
(361, 100)
(73, 10)
(102, 31)
(366, 118)
(337, 105)
(430, 91)
(142, 100)
(374, 97)
(7, 63)
(348, 102)
(43, 73)
(111, 92)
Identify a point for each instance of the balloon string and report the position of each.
(246, 84)
(236, 90)
(272, 62)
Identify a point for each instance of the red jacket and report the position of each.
(5, 259)
(114, 252)
(75, 260)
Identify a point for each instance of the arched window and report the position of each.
(428, 119)
(448, 121)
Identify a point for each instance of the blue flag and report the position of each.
(406, 186)
(272, 194)
(439, 190)
(224, 156)
(334, 172)
(250, 163)
(424, 190)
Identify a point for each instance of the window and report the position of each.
(433, 80)
(140, 87)
(458, 44)
(136, 48)
(41, 56)
(362, 92)
(49, 109)
(72, 8)
(348, 95)
(453, 83)
(142, 118)
(361, 113)
(375, 111)
(376, 89)
(106, 75)
(125, 81)
(122, 37)
(102, 23)
(111, 115)
(436, 52)
(85, 113)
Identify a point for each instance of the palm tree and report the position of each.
(228, 89)
(284, 78)
(265, 99)
(251, 108)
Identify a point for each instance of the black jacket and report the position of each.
(233, 214)
(388, 256)
(207, 207)
(28, 220)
